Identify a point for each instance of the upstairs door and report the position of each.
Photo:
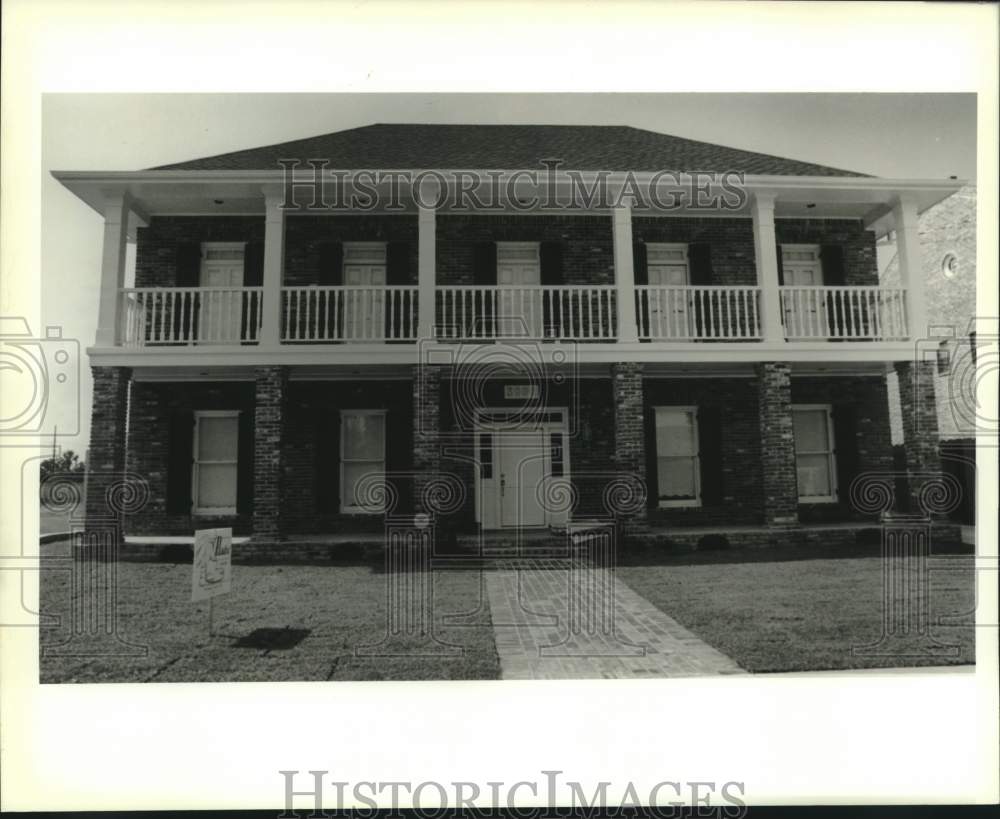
(804, 310)
(520, 310)
(219, 308)
(364, 296)
(669, 309)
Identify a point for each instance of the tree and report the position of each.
(67, 461)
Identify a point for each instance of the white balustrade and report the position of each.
(844, 313)
(150, 316)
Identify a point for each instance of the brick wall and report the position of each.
(156, 245)
(313, 408)
(920, 424)
(149, 440)
(860, 263)
(777, 442)
(304, 235)
(867, 399)
(742, 490)
(587, 255)
(731, 241)
(586, 240)
(106, 458)
(269, 450)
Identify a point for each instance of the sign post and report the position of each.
(212, 573)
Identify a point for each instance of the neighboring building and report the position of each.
(270, 364)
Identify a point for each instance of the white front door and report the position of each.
(220, 311)
(522, 470)
(520, 311)
(516, 471)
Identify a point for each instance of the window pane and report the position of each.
(216, 485)
(675, 433)
(353, 473)
(814, 475)
(364, 437)
(676, 478)
(810, 430)
(217, 439)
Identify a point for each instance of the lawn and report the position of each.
(788, 610)
(278, 623)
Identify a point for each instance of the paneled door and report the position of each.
(364, 296)
(220, 312)
(520, 310)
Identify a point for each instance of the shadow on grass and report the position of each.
(273, 639)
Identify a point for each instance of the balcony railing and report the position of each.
(566, 312)
(152, 316)
(844, 313)
(314, 315)
(704, 313)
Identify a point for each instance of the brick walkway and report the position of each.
(555, 623)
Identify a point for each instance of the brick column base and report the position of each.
(918, 408)
(426, 431)
(269, 411)
(630, 446)
(106, 457)
(777, 444)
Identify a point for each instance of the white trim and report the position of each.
(831, 454)
(213, 511)
(345, 508)
(692, 411)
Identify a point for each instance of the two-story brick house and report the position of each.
(503, 366)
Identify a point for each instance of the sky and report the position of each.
(923, 136)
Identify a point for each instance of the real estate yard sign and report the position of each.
(213, 566)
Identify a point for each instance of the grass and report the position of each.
(278, 623)
(788, 610)
(768, 609)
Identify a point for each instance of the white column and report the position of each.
(274, 255)
(621, 231)
(426, 271)
(766, 257)
(911, 276)
(116, 216)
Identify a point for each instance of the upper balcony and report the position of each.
(612, 299)
(315, 315)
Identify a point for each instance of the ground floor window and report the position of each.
(677, 456)
(362, 452)
(814, 460)
(216, 448)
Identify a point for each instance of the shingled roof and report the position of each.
(509, 147)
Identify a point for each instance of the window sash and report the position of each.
(349, 465)
(671, 457)
(213, 466)
(805, 456)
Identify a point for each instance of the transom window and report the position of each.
(216, 448)
(801, 265)
(362, 453)
(517, 253)
(678, 470)
(364, 253)
(814, 453)
(667, 263)
(222, 251)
